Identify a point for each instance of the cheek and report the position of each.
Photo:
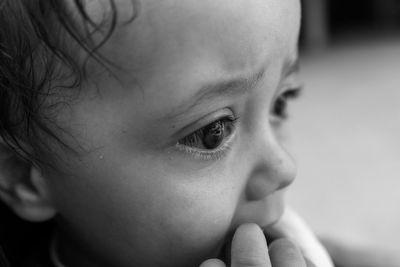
(160, 216)
(195, 226)
(179, 224)
(188, 219)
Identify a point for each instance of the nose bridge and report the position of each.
(273, 168)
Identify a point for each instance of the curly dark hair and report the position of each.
(36, 61)
(40, 41)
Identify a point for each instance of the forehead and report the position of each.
(174, 47)
(234, 30)
(236, 34)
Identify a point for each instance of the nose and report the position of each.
(274, 169)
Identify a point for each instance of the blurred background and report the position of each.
(345, 129)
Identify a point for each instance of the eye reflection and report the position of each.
(211, 136)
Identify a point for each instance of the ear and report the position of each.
(23, 188)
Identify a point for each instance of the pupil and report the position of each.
(213, 135)
(280, 107)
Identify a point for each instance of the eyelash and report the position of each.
(189, 144)
(279, 109)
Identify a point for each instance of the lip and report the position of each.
(271, 212)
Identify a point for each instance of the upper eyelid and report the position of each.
(291, 67)
(293, 92)
(291, 82)
(232, 120)
(204, 121)
(291, 72)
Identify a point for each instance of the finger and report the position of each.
(249, 247)
(309, 263)
(292, 226)
(213, 263)
(284, 253)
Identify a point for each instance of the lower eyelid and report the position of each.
(216, 154)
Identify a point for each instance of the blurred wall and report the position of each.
(326, 21)
(345, 129)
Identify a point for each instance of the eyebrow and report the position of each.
(233, 87)
(229, 88)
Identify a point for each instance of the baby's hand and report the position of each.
(249, 249)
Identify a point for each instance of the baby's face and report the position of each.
(180, 145)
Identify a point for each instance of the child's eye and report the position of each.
(210, 141)
(211, 136)
(279, 109)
